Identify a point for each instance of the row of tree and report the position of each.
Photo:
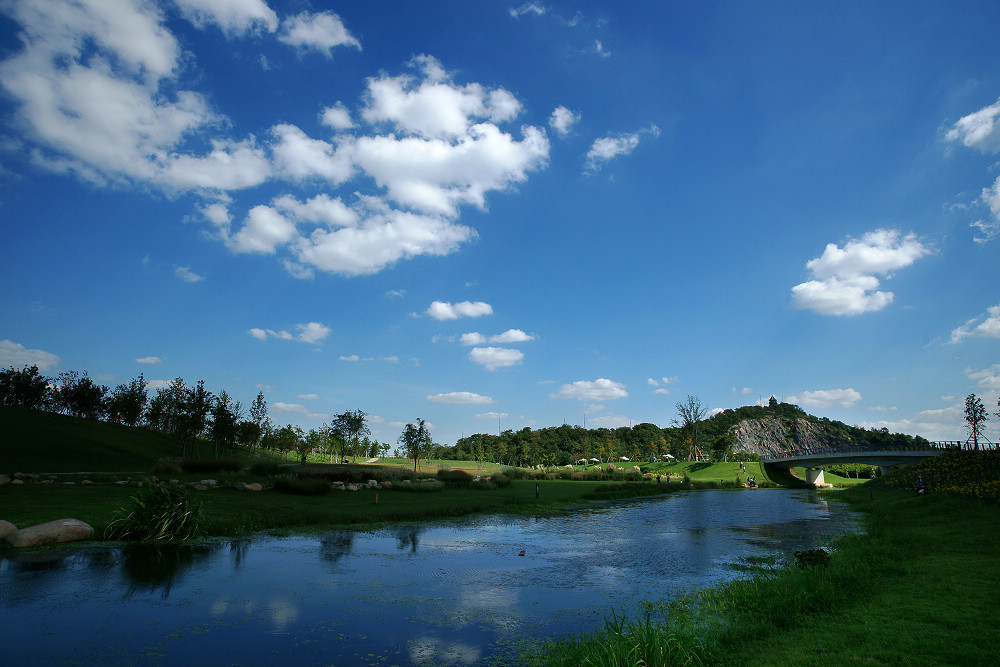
(195, 416)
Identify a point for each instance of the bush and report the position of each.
(267, 468)
(301, 487)
(159, 513)
(210, 465)
(167, 467)
(421, 485)
(455, 478)
(501, 481)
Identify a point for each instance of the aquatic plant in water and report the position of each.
(158, 513)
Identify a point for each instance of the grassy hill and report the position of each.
(38, 442)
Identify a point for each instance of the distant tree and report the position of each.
(26, 388)
(128, 402)
(722, 447)
(79, 396)
(223, 428)
(415, 439)
(181, 411)
(351, 426)
(258, 417)
(690, 413)
(975, 419)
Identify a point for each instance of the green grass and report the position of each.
(39, 442)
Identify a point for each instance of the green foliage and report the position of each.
(302, 487)
(501, 481)
(158, 513)
(167, 466)
(812, 558)
(455, 478)
(26, 388)
(267, 468)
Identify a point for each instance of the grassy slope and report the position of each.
(39, 442)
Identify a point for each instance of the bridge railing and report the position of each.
(962, 445)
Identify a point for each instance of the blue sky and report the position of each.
(494, 214)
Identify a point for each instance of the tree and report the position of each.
(128, 401)
(258, 417)
(690, 412)
(224, 426)
(26, 388)
(975, 419)
(415, 439)
(722, 447)
(351, 426)
(79, 396)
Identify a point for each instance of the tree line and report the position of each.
(199, 419)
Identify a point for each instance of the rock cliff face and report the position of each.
(771, 437)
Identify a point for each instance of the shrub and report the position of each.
(167, 467)
(159, 513)
(501, 481)
(210, 465)
(301, 487)
(421, 485)
(267, 468)
(812, 557)
(455, 478)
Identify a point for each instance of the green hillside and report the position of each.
(32, 441)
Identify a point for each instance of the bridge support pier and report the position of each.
(815, 476)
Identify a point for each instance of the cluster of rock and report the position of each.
(31, 478)
(53, 532)
(371, 484)
(772, 437)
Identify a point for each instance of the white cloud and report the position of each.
(979, 327)
(187, 275)
(492, 415)
(512, 336)
(601, 389)
(16, 355)
(349, 357)
(460, 398)
(600, 50)
(845, 278)
(311, 332)
(338, 117)
(980, 129)
(527, 8)
(562, 120)
(233, 17)
(608, 421)
(495, 357)
(445, 310)
(825, 398)
(148, 360)
(320, 32)
(472, 338)
(663, 391)
(309, 397)
(988, 378)
(610, 147)
(988, 229)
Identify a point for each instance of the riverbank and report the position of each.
(918, 588)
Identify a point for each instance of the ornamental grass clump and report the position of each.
(310, 486)
(158, 513)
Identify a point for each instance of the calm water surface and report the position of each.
(443, 593)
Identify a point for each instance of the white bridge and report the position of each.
(813, 462)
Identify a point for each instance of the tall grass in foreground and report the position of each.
(158, 513)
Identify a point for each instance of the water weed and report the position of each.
(158, 513)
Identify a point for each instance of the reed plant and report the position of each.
(157, 513)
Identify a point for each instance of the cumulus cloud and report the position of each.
(979, 130)
(103, 91)
(318, 32)
(610, 147)
(845, 281)
(562, 120)
(988, 378)
(495, 357)
(825, 398)
(987, 326)
(310, 332)
(18, 356)
(445, 310)
(460, 398)
(600, 389)
(148, 360)
(233, 17)
(492, 415)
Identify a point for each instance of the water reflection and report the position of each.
(444, 593)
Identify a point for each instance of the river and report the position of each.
(444, 593)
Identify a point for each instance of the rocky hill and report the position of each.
(777, 436)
